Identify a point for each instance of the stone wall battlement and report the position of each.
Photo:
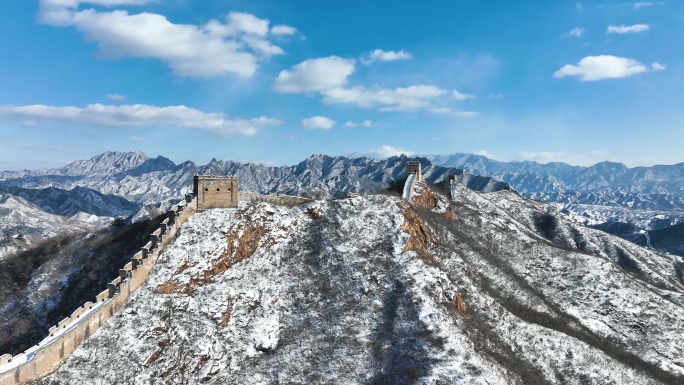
(70, 332)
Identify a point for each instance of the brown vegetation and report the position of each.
(225, 317)
(167, 288)
(240, 245)
(458, 303)
(426, 199)
(419, 235)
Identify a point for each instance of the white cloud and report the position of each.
(318, 123)
(593, 68)
(329, 76)
(576, 32)
(387, 151)
(452, 112)
(579, 6)
(440, 110)
(485, 153)
(240, 22)
(315, 75)
(583, 159)
(29, 123)
(628, 28)
(380, 55)
(398, 99)
(365, 123)
(136, 139)
(213, 49)
(462, 96)
(543, 156)
(643, 4)
(117, 97)
(141, 115)
(59, 12)
(466, 114)
(283, 30)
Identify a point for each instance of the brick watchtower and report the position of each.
(414, 168)
(215, 191)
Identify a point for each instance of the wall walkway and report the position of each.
(69, 333)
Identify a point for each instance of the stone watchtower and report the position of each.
(414, 168)
(215, 191)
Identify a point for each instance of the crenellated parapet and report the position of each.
(69, 333)
(278, 199)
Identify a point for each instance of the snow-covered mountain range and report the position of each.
(657, 188)
(137, 177)
(133, 185)
(489, 288)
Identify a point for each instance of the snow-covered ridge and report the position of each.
(490, 289)
(69, 333)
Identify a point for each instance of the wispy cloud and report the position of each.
(451, 112)
(542, 156)
(643, 4)
(318, 123)
(136, 139)
(636, 28)
(576, 32)
(485, 153)
(593, 68)
(117, 97)
(141, 115)
(217, 48)
(33, 147)
(461, 96)
(365, 123)
(380, 55)
(576, 158)
(283, 30)
(397, 99)
(386, 151)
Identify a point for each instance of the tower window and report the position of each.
(218, 189)
(206, 189)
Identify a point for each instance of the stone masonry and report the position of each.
(215, 191)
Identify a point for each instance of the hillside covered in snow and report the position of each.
(488, 289)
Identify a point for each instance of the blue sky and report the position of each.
(276, 81)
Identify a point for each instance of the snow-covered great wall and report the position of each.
(454, 286)
(485, 288)
(71, 332)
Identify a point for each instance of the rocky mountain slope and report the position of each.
(489, 289)
(78, 202)
(136, 177)
(139, 178)
(136, 187)
(41, 286)
(24, 225)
